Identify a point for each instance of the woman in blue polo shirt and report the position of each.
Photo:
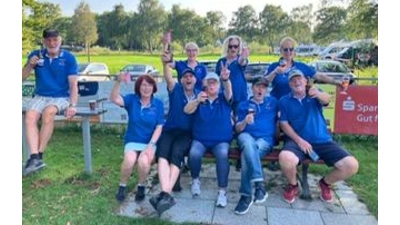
(192, 51)
(212, 130)
(235, 55)
(145, 121)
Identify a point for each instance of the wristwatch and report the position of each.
(72, 105)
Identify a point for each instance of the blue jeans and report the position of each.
(252, 151)
(220, 152)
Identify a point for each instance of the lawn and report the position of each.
(62, 193)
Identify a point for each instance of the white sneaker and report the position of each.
(195, 189)
(221, 200)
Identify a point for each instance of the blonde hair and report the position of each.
(226, 43)
(192, 45)
(288, 39)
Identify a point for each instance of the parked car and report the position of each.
(256, 69)
(306, 50)
(135, 70)
(210, 65)
(334, 69)
(94, 71)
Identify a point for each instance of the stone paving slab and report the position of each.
(345, 219)
(346, 209)
(279, 216)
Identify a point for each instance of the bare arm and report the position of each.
(323, 97)
(326, 79)
(115, 96)
(167, 71)
(73, 96)
(26, 70)
(191, 106)
(156, 135)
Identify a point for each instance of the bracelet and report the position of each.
(71, 105)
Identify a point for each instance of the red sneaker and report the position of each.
(290, 193)
(326, 194)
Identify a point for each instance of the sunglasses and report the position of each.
(233, 46)
(288, 49)
(191, 50)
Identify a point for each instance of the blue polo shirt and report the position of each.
(142, 121)
(265, 118)
(212, 122)
(200, 71)
(51, 79)
(280, 84)
(238, 80)
(177, 118)
(305, 117)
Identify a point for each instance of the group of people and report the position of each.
(206, 111)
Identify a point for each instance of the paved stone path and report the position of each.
(345, 210)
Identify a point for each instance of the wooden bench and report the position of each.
(234, 153)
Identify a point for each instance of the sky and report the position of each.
(200, 6)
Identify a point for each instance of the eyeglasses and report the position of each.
(288, 49)
(233, 46)
(191, 50)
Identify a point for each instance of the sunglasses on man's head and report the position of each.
(288, 49)
(233, 46)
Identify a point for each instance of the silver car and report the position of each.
(333, 69)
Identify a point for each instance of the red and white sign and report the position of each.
(356, 111)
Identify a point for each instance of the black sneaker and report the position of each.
(121, 194)
(243, 205)
(154, 200)
(33, 165)
(260, 194)
(177, 186)
(140, 193)
(165, 203)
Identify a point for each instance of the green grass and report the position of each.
(62, 193)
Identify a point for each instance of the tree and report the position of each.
(330, 24)
(363, 19)
(151, 20)
(114, 28)
(84, 29)
(245, 23)
(274, 24)
(216, 19)
(302, 16)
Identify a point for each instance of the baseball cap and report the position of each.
(259, 80)
(211, 75)
(50, 33)
(188, 70)
(295, 72)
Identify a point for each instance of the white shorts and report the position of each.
(136, 147)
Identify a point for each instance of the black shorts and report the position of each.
(173, 145)
(330, 152)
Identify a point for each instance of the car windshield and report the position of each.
(82, 67)
(332, 67)
(135, 68)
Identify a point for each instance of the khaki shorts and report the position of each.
(39, 103)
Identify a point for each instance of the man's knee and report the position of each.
(349, 165)
(288, 159)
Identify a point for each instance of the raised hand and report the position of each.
(225, 72)
(245, 52)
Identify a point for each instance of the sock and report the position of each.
(40, 155)
(222, 191)
(141, 185)
(122, 185)
(323, 181)
(294, 185)
(34, 156)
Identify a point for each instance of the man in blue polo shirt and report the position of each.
(303, 122)
(212, 130)
(256, 127)
(176, 135)
(278, 72)
(56, 90)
